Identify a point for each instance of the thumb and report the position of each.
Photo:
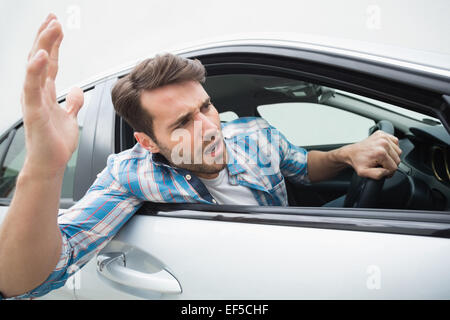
(74, 101)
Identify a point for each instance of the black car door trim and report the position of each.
(389, 91)
(83, 171)
(418, 92)
(412, 89)
(104, 142)
(417, 223)
(417, 78)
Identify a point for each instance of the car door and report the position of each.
(193, 251)
(12, 156)
(249, 253)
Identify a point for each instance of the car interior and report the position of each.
(422, 181)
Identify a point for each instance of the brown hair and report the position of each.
(147, 75)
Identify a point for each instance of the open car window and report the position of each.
(319, 117)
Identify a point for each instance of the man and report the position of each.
(183, 154)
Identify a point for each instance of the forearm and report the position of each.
(30, 239)
(325, 165)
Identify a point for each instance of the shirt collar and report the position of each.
(234, 167)
(159, 159)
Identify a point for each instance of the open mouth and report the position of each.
(214, 148)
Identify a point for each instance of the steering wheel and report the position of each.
(365, 192)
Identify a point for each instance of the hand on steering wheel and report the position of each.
(367, 181)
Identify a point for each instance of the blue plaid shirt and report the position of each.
(259, 157)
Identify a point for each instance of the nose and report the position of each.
(209, 128)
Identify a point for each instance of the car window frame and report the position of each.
(412, 89)
(218, 62)
(392, 221)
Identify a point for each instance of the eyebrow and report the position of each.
(189, 114)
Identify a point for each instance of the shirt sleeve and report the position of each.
(88, 226)
(293, 159)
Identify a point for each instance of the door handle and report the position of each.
(113, 266)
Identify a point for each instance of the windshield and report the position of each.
(412, 114)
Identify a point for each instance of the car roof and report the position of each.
(426, 60)
(433, 63)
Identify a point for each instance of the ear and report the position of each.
(146, 142)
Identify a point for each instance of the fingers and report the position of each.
(74, 101)
(44, 25)
(392, 147)
(396, 148)
(48, 37)
(43, 62)
(54, 58)
(389, 156)
(387, 162)
(394, 143)
(378, 156)
(36, 71)
(50, 91)
(392, 138)
(394, 154)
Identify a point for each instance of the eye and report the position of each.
(206, 107)
(184, 122)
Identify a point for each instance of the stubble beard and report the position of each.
(195, 168)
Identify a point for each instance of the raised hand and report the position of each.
(51, 132)
(29, 233)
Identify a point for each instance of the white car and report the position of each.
(320, 97)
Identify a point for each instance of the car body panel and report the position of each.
(248, 261)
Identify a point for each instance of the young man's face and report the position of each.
(187, 128)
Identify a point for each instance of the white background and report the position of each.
(102, 34)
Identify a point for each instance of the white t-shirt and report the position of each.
(226, 193)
